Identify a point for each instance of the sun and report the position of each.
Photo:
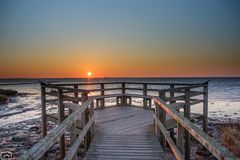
(89, 74)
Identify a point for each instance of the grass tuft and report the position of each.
(231, 140)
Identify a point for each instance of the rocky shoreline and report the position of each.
(5, 94)
(19, 137)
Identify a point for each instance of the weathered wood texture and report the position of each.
(123, 120)
(219, 151)
(124, 133)
(125, 147)
(39, 149)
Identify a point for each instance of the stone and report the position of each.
(4, 99)
(19, 137)
(8, 92)
(34, 128)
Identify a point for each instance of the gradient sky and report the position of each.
(119, 38)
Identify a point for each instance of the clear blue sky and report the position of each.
(149, 32)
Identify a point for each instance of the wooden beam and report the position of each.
(44, 144)
(187, 112)
(72, 130)
(219, 151)
(102, 94)
(205, 108)
(166, 134)
(44, 113)
(162, 118)
(74, 147)
(123, 96)
(76, 94)
(61, 118)
(157, 113)
(180, 138)
(144, 94)
(73, 138)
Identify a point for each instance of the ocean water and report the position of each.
(224, 97)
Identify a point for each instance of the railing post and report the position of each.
(145, 94)
(172, 94)
(76, 93)
(172, 101)
(102, 94)
(180, 138)
(162, 118)
(44, 114)
(85, 119)
(123, 97)
(61, 118)
(157, 113)
(91, 115)
(205, 107)
(72, 130)
(187, 109)
(130, 101)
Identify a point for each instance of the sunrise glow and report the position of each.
(89, 74)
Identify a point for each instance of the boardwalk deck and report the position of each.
(124, 133)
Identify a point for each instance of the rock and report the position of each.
(8, 92)
(34, 128)
(203, 152)
(3, 99)
(20, 137)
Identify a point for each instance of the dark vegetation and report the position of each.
(5, 94)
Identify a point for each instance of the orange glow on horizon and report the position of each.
(89, 74)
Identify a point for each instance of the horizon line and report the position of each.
(119, 77)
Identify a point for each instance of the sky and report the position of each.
(119, 38)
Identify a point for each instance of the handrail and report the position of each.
(219, 151)
(119, 82)
(174, 148)
(39, 149)
(73, 150)
(72, 90)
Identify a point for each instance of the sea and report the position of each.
(224, 96)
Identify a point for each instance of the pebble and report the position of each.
(19, 137)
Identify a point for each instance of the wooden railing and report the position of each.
(124, 92)
(83, 112)
(74, 96)
(185, 128)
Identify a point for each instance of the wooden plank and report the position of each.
(116, 120)
(144, 94)
(208, 142)
(180, 138)
(61, 118)
(125, 147)
(43, 108)
(162, 118)
(205, 108)
(195, 101)
(187, 112)
(102, 94)
(171, 143)
(171, 123)
(72, 130)
(73, 149)
(73, 138)
(123, 102)
(177, 105)
(44, 144)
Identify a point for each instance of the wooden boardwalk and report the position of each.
(124, 133)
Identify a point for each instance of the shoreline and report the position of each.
(19, 137)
